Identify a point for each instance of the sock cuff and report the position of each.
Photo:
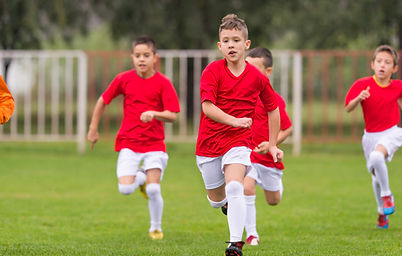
(217, 204)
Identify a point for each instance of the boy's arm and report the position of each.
(216, 114)
(93, 134)
(362, 96)
(283, 134)
(165, 116)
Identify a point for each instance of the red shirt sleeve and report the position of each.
(285, 120)
(114, 89)
(268, 95)
(208, 85)
(170, 100)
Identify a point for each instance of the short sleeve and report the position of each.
(285, 120)
(353, 92)
(268, 95)
(114, 89)
(169, 98)
(208, 86)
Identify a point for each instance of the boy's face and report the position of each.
(259, 64)
(383, 66)
(232, 44)
(144, 60)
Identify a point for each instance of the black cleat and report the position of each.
(234, 249)
(225, 209)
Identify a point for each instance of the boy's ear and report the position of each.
(219, 45)
(157, 62)
(248, 43)
(269, 71)
(396, 68)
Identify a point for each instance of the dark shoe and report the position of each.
(225, 209)
(234, 249)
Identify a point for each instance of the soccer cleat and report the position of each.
(143, 191)
(252, 240)
(389, 205)
(382, 221)
(234, 249)
(156, 235)
(225, 209)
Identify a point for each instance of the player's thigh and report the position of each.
(235, 163)
(211, 171)
(154, 164)
(127, 165)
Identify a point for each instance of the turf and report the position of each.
(54, 201)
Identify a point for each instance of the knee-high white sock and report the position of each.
(377, 161)
(155, 205)
(251, 216)
(377, 194)
(236, 210)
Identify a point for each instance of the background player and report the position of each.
(379, 97)
(149, 100)
(265, 172)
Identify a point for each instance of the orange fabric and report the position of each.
(6, 102)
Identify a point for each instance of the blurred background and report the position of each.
(58, 56)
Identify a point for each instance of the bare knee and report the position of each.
(273, 198)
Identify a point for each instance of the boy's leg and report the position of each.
(155, 200)
(129, 177)
(377, 194)
(234, 176)
(377, 163)
(251, 215)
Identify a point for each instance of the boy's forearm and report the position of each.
(98, 110)
(283, 134)
(216, 114)
(352, 104)
(165, 116)
(274, 126)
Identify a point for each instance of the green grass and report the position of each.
(56, 202)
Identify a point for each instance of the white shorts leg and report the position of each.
(211, 168)
(391, 139)
(270, 178)
(254, 174)
(129, 161)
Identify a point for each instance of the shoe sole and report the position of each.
(383, 227)
(233, 253)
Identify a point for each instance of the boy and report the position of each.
(379, 97)
(265, 172)
(229, 91)
(149, 100)
(6, 102)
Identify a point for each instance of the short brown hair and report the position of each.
(144, 39)
(389, 49)
(261, 52)
(231, 21)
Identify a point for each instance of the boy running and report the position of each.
(229, 91)
(379, 97)
(149, 100)
(265, 172)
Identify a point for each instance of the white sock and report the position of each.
(251, 216)
(140, 178)
(217, 204)
(377, 194)
(236, 210)
(155, 205)
(377, 161)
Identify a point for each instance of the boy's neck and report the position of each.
(382, 82)
(236, 67)
(146, 74)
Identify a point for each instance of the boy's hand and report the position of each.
(243, 122)
(276, 153)
(147, 116)
(364, 94)
(262, 148)
(93, 137)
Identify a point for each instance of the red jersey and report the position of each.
(260, 132)
(381, 109)
(236, 96)
(155, 93)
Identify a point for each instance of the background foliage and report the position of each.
(193, 24)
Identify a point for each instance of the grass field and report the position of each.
(56, 202)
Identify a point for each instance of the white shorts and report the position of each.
(129, 162)
(212, 168)
(391, 139)
(268, 178)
